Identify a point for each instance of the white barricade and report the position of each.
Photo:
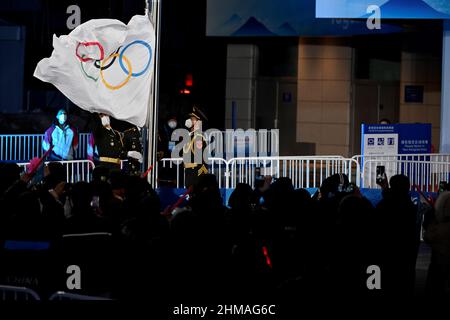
(434, 157)
(426, 175)
(24, 147)
(76, 170)
(305, 171)
(20, 147)
(217, 166)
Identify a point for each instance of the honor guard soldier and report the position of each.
(106, 145)
(133, 145)
(193, 151)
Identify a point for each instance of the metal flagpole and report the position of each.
(153, 10)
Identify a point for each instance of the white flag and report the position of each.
(105, 66)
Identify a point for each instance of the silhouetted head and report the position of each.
(282, 184)
(333, 185)
(352, 210)
(118, 180)
(81, 195)
(54, 173)
(302, 195)
(100, 173)
(400, 184)
(242, 197)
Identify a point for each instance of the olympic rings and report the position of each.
(87, 44)
(120, 85)
(102, 63)
(145, 44)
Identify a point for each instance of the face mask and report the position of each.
(198, 125)
(172, 124)
(62, 118)
(105, 121)
(188, 123)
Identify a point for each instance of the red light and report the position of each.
(266, 254)
(185, 91)
(189, 81)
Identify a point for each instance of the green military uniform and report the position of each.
(195, 167)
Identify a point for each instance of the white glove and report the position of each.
(135, 155)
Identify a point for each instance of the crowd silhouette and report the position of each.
(269, 240)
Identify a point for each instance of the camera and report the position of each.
(381, 174)
(443, 186)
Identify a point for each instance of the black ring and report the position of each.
(97, 62)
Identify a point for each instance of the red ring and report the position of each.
(87, 44)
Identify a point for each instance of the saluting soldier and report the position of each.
(193, 151)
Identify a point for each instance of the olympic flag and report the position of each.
(105, 66)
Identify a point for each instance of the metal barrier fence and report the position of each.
(83, 142)
(433, 157)
(20, 147)
(24, 147)
(76, 170)
(217, 166)
(424, 174)
(305, 172)
(65, 296)
(426, 170)
(12, 293)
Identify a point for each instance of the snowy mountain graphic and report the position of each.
(253, 28)
(232, 24)
(286, 30)
(409, 9)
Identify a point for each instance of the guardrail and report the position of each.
(24, 147)
(76, 170)
(424, 174)
(216, 166)
(305, 172)
(434, 157)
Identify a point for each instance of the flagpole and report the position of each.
(153, 11)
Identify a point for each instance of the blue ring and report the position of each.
(145, 44)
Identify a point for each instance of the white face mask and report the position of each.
(188, 123)
(105, 121)
(198, 125)
(172, 124)
(62, 118)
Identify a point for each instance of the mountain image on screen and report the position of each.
(409, 9)
(286, 30)
(253, 28)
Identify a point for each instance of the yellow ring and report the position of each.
(120, 85)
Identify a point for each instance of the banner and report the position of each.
(105, 66)
(384, 140)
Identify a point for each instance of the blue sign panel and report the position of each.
(396, 139)
(389, 9)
